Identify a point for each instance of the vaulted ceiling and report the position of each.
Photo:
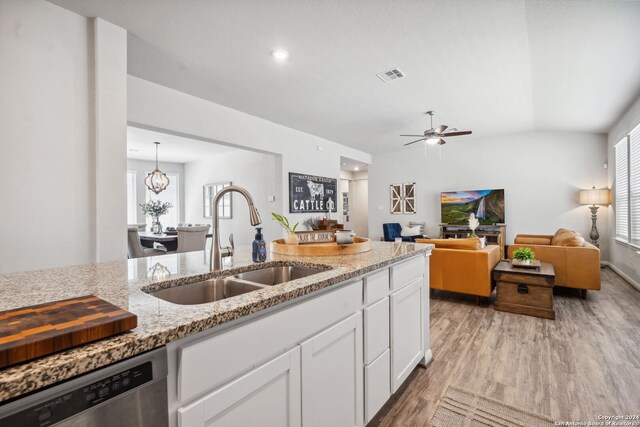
(492, 66)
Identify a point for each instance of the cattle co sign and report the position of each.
(309, 193)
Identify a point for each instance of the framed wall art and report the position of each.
(403, 198)
(310, 193)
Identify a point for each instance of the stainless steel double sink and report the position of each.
(226, 287)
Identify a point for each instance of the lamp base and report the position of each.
(594, 235)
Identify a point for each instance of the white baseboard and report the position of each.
(624, 276)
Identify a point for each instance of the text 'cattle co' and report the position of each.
(310, 193)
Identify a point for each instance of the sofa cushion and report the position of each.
(528, 239)
(472, 243)
(410, 231)
(565, 237)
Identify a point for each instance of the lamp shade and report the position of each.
(595, 197)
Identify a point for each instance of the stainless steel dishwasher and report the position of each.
(128, 393)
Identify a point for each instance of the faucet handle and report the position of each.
(232, 249)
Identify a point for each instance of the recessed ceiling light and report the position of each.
(344, 163)
(280, 54)
(356, 168)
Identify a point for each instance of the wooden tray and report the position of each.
(519, 264)
(359, 245)
(38, 330)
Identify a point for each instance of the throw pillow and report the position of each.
(565, 237)
(410, 231)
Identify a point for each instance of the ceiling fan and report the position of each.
(434, 136)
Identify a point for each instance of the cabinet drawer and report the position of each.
(376, 286)
(406, 272)
(213, 361)
(376, 330)
(377, 385)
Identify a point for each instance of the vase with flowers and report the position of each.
(473, 224)
(155, 209)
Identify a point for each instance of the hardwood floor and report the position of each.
(583, 364)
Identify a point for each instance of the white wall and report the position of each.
(623, 257)
(254, 171)
(62, 117)
(142, 168)
(160, 108)
(541, 173)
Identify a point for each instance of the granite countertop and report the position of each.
(159, 321)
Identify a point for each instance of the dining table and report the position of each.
(169, 241)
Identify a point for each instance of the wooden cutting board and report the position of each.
(38, 330)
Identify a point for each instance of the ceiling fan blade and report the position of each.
(441, 128)
(412, 135)
(462, 132)
(441, 142)
(413, 142)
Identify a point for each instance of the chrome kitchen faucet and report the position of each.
(217, 251)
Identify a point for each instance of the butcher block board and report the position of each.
(38, 330)
(359, 245)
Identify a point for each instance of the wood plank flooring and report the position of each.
(583, 364)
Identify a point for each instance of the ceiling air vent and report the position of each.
(392, 74)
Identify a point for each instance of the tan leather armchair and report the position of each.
(467, 270)
(575, 266)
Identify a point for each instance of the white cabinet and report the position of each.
(407, 331)
(266, 396)
(332, 358)
(332, 376)
(377, 385)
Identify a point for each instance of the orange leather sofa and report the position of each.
(458, 265)
(575, 266)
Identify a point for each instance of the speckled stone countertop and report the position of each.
(159, 321)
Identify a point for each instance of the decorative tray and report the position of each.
(359, 245)
(519, 264)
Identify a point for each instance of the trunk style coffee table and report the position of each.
(525, 290)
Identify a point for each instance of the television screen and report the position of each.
(488, 205)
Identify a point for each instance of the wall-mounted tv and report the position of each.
(488, 205)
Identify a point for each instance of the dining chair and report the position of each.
(136, 250)
(141, 226)
(192, 238)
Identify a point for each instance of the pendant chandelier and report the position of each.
(156, 181)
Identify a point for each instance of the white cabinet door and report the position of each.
(332, 376)
(407, 331)
(267, 396)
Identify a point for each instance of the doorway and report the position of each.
(354, 189)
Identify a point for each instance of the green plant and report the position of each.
(284, 222)
(524, 254)
(312, 222)
(155, 207)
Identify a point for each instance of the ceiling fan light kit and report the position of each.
(435, 136)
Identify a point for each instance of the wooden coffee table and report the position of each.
(525, 290)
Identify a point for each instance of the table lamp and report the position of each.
(594, 197)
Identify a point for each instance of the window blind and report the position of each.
(634, 185)
(622, 189)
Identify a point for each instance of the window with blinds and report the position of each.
(634, 185)
(627, 193)
(622, 189)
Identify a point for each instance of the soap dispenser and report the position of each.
(259, 247)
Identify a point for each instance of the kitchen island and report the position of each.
(370, 279)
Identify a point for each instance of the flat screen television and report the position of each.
(488, 205)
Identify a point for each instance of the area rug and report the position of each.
(462, 408)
